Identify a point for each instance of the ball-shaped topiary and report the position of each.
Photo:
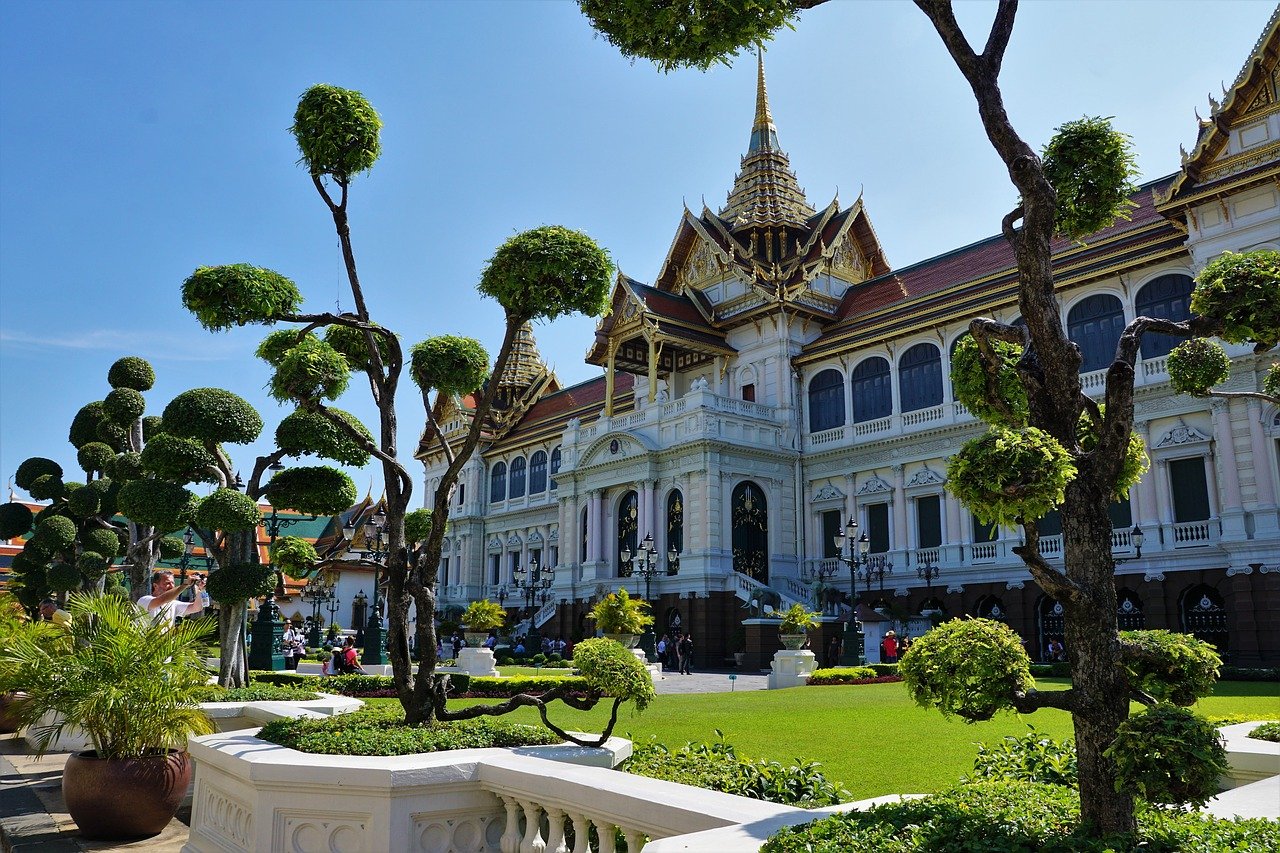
(125, 466)
(1171, 666)
(304, 432)
(238, 294)
(132, 372)
(417, 525)
(157, 503)
(1195, 366)
(228, 510)
(967, 667)
(84, 426)
(671, 40)
(1166, 754)
(276, 345)
(970, 381)
(34, 467)
(314, 490)
(101, 541)
(1091, 165)
(95, 456)
(614, 671)
(110, 491)
(84, 502)
(152, 425)
(183, 460)
(1007, 475)
(546, 272)
(1136, 462)
(171, 547)
(450, 364)
(337, 131)
(353, 346)
(212, 416)
(46, 487)
(311, 370)
(15, 520)
(1242, 291)
(56, 532)
(92, 565)
(63, 577)
(115, 585)
(294, 556)
(112, 434)
(123, 406)
(240, 582)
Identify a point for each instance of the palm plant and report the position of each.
(130, 683)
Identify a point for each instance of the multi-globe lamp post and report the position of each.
(318, 592)
(644, 564)
(533, 582)
(852, 550)
(375, 551)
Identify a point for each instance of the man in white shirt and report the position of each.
(163, 603)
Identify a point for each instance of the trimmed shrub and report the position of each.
(718, 767)
(310, 370)
(351, 343)
(46, 487)
(95, 456)
(1166, 754)
(546, 272)
(152, 425)
(238, 294)
(1242, 291)
(966, 667)
(228, 510)
(1008, 475)
(84, 426)
(450, 364)
(171, 547)
(1174, 666)
(123, 406)
(55, 533)
(417, 525)
(842, 675)
(337, 131)
(131, 372)
(1092, 166)
(1135, 462)
(63, 577)
(31, 469)
(382, 731)
(1195, 366)
(294, 556)
(610, 668)
(1033, 757)
(91, 565)
(276, 345)
(125, 466)
(286, 678)
(83, 502)
(1242, 673)
(112, 434)
(183, 460)
(303, 433)
(488, 686)
(1266, 731)
(15, 520)
(315, 490)
(970, 380)
(257, 693)
(240, 582)
(212, 416)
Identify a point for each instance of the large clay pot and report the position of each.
(628, 641)
(792, 642)
(475, 639)
(125, 797)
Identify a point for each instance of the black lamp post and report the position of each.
(360, 607)
(317, 593)
(375, 551)
(333, 605)
(1137, 537)
(927, 573)
(851, 550)
(644, 563)
(532, 581)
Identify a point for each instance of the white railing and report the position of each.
(1051, 546)
(984, 552)
(1155, 367)
(923, 416)
(745, 585)
(743, 407)
(873, 427)
(544, 614)
(1194, 534)
(829, 436)
(798, 590)
(675, 407)
(960, 411)
(1122, 539)
(929, 556)
(1094, 382)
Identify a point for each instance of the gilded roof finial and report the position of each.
(764, 133)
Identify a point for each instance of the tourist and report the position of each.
(889, 647)
(686, 654)
(50, 612)
(458, 644)
(491, 641)
(440, 649)
(1056, 651)
(519, 649)
(662, 652)
(833, 651)
(163, 604)
(348, 661)
(293, 645)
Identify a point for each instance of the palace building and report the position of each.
(777, 377)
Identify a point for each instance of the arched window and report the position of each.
(555, 467)
(920, 378)
(1165, 298)
(826, 401)
(517, 477)
(1095, 324)
(1129, 611)
(628, 525)
(750, 531)
(538, 473)
(1203, 615)
(498, 482)
(872, 393)
(675, 525)
(990, 607)
(1051, 622)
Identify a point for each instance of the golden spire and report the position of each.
(765, 193)
(524, 365)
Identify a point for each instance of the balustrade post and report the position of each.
(635, 840)
(555, 831)
(510, 842)
(532, 841)
(581, 833)
(605, 833)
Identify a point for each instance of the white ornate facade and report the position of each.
(779, 377)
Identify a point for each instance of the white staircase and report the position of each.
(789, 590)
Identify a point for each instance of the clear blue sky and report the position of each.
(140, 140)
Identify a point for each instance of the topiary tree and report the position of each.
(1082, 182)
(542, 273)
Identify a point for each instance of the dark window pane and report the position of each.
(1051, 524)
(750, 531)
(984, 532)
(831, 523)
(538, 473)
(1121, 515)
(920, 378)
(749, 392)
(1190, 491)
(498, 482)
(517, 478)
(1095, 324)
(826, 401)
(555, 467)
(929, 521)
(675, 522)
(872, 393)
(878, 527)
(582, 550)
(1166, 298)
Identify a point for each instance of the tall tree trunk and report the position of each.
(233, 669)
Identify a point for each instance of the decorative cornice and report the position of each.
(1182, 434)
(874, 485)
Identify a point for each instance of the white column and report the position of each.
(899, 510)
(1232, 501)
(1263, 473)
(646, 511)
(1145, 491)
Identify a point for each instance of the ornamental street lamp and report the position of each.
(927, 572)
(851, 550)
(318, 592)
(644, 563)
(376, 552)
(333, 605)
(1137, 537)
(531, 582)
(360, 615)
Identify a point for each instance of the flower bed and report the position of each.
(381, 731)
(850, 675)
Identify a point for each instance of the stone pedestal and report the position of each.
(266, 652)
(476, 661)
(762, 642)
(791, 669)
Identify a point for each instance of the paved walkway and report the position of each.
(725, 681)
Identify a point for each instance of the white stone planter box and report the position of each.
(255, 796)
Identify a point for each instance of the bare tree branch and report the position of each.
(1050, 579)
(1034, 700)
(369, 446)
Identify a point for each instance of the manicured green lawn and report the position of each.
(512, 670)
(871, 738)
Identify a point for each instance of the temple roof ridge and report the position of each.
(524, 365)
(765, 192)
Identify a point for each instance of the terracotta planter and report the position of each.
(792, 642)
(628, 641)
(125, 797)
